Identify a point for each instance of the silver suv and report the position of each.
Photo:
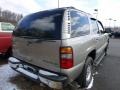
(59, 46)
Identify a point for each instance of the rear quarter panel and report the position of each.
(81, 48)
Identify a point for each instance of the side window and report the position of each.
(79, 24)
(100, 26)
(94, 26)
(7, 27)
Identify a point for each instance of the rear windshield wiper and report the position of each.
(36, 39)
(27, 37)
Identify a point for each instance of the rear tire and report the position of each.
(87, 74)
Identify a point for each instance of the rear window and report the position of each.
(41, 25)
(7, 26)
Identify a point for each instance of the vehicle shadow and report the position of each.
(3, 60)
(23, 83)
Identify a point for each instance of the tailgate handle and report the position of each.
(39, 41)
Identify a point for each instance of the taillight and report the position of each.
(66, 57)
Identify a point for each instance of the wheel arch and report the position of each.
(92, 54)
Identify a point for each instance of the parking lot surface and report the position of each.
(107, 78)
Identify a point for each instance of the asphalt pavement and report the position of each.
(107, 78)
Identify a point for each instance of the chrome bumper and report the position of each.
(51, 79)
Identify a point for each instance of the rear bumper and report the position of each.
(50, 79)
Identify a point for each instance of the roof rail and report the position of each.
(71, 7)
(79, 10)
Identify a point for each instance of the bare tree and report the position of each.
(8, 16)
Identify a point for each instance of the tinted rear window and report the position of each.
(43, 25)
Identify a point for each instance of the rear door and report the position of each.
(104, 36)
(37, 39)
(98, 39)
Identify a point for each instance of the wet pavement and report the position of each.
(107, 78)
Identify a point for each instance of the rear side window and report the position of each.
(7, 26)
(94, 26)
(41, 25)
(79, 24)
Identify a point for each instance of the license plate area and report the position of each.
(29, 68)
